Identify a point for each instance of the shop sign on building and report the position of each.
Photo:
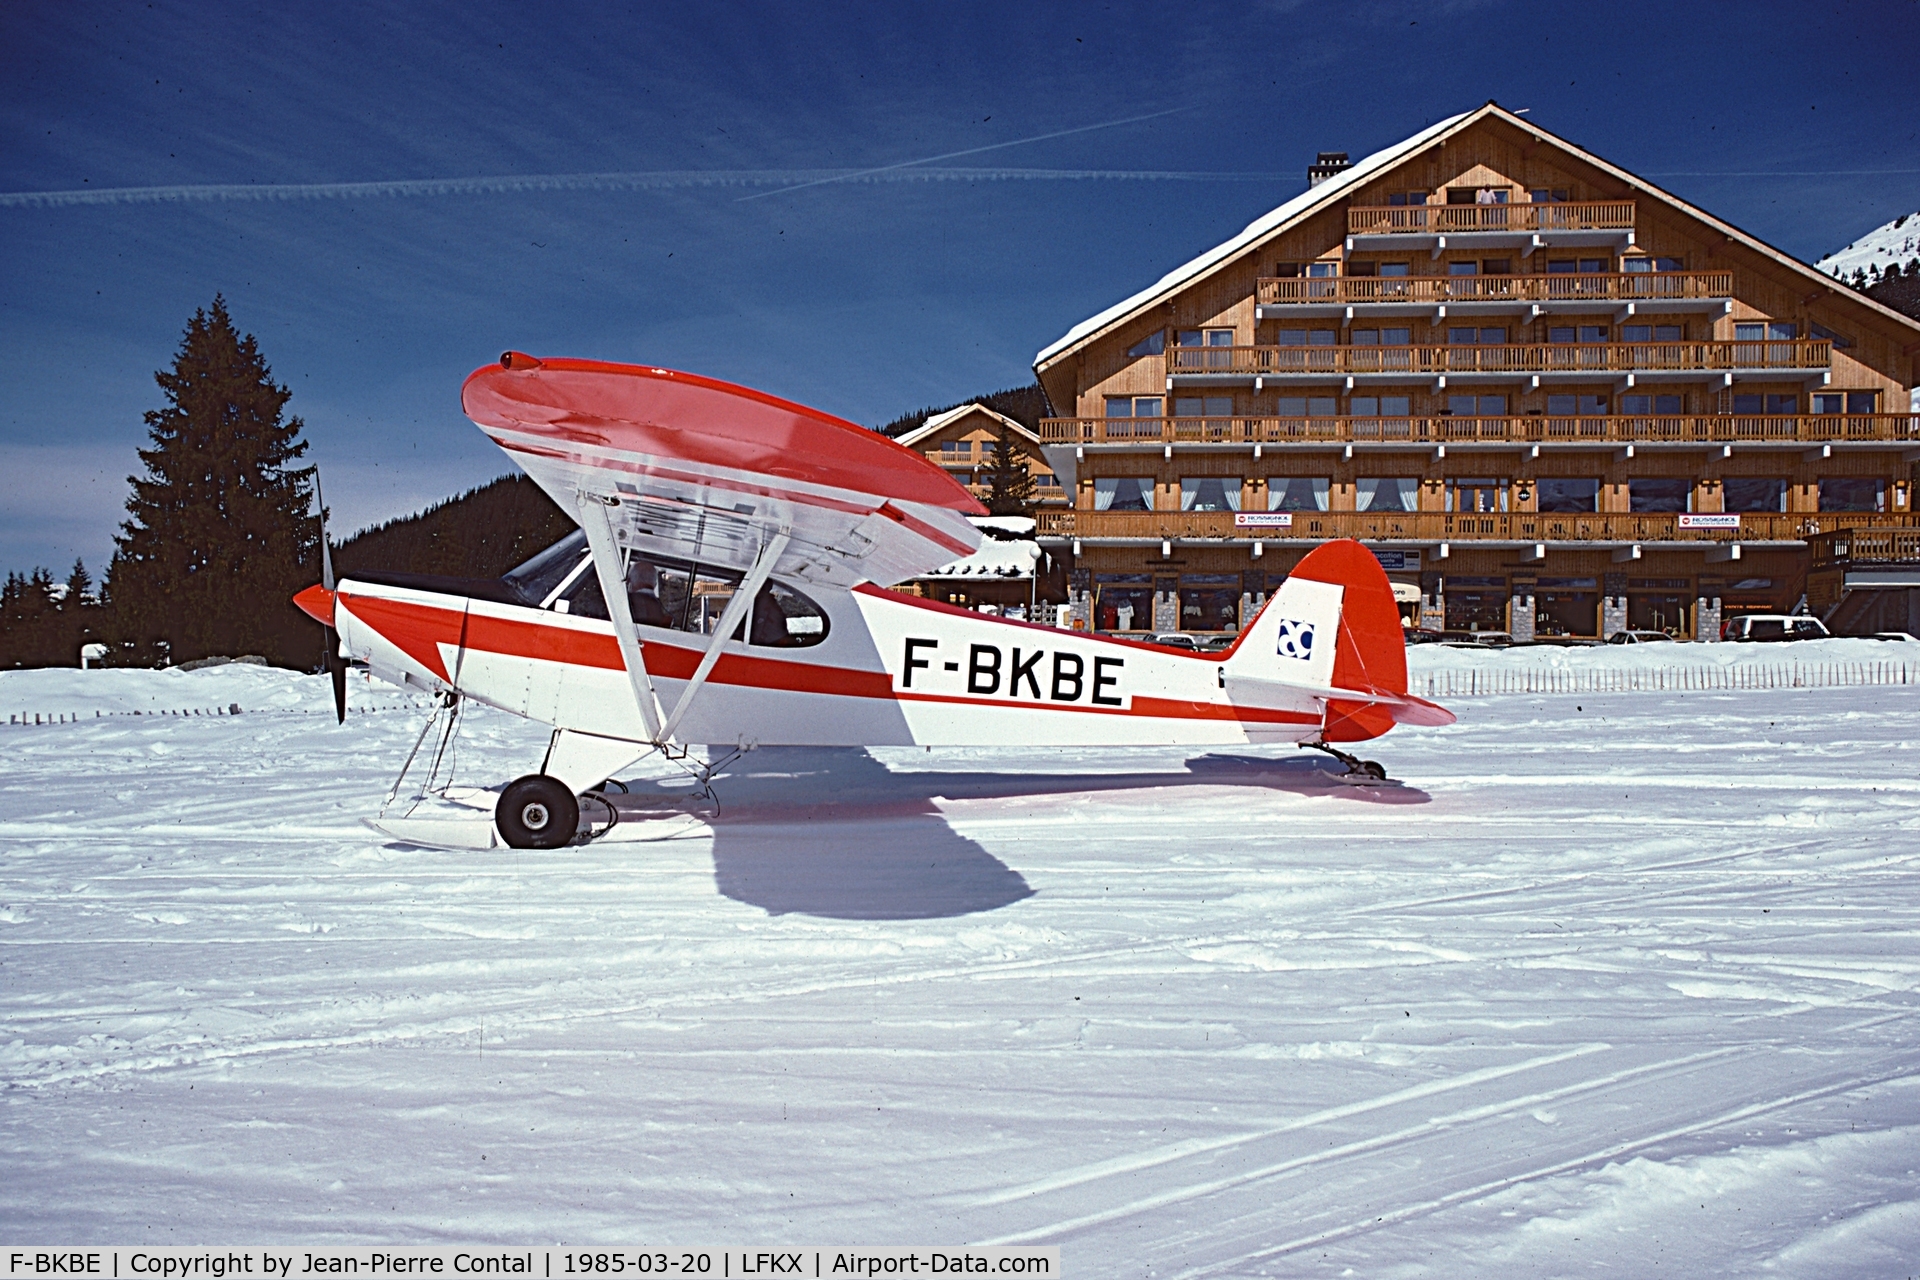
(1263, 519)
(1710, 520)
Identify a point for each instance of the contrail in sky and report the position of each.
(657, 180)
(970, 151)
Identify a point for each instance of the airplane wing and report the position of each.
(695, 469)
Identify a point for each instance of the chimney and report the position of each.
(1329, 163)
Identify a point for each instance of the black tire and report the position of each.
(537, 812)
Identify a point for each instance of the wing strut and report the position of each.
(613, 588)
(735, 612)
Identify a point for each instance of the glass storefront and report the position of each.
(1475, 604)
(1209, 602)
(1566, 607)
(1123, 602)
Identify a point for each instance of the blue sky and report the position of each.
(915, 284)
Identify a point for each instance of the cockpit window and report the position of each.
(667, 594)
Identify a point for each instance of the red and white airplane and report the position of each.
(728, 587)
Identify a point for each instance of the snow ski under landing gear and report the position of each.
(1364, 773)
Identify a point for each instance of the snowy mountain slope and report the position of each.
(1623, 981)
(1896, 243)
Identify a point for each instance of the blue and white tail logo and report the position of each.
(1296, 639)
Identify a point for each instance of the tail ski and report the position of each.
(1333, 630)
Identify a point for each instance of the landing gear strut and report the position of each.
(1358, 770)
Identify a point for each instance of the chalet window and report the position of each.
(1650, 332)
(1134, 406)
(1046, 480)
(1640, 406)
(1852, 493)
(1782, 402)
(1209, 493)
(1309, 337)
(1496, 266)
(1477, 406)
(1750, 493)
(1769, 331)
(1747, 402)
(1463, 268)
(1297, 493)
(1382, 337)
(1561, 266)
(1394, 268)
(1862, 401)
(1840, 340)
(1203, 406)
(1321, 270)
(1387, 493)
(1363, 269)
(1398, 198)
(1380, 406)
(1287, 270)
(1484, 337)
(1122, 493)
(1151, 345)
(1306, 406)
(1477, 195)
(1476, 495)
(1640, 264)
(1660, 495)
(1828, 402)
(1567, 496)
(960, 448)
(1560, 333)
(1205, 338)
(1595, 266)
(1548, 195)
(1576, 405)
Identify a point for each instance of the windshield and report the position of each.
(536, 579)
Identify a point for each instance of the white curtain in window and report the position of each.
(1209, 493)
(1298, 493)
(1389, 493)
(1122, 493)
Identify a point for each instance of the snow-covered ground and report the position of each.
(1617, 983)
(1895, 243)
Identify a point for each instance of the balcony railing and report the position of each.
(1604, 215)
(1520, 359)
(1448, 526)
(1632, 286)
(1699, 428)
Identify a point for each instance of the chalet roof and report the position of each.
(1316, 198)
(940, 421)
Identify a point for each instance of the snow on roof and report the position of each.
(996, 558)
(939, 420)
(1307, 201)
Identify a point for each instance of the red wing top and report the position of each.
(705, 471)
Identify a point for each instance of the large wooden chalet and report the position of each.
(1553, 398)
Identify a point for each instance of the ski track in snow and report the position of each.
(1620, 982)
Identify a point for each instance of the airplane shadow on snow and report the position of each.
(832, 832)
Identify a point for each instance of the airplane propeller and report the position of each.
(336, 665)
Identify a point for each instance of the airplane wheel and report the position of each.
(537, 812)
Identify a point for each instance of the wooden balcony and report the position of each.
(1519, 360)
(1622, 287)
(1678, 429)
(1446, 526)
(1604, 215)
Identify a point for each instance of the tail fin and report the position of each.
(1334, 625)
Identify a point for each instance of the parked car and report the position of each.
(1907, 636)
(1173, 640)
(1414, 635)
(1219, 642)
(1760, 628)
(1477, 639)
(1638, 637)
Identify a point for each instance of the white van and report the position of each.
(1762, 627)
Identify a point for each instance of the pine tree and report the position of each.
(220, 535)
(1010, 483)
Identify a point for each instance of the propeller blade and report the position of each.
(337, 669)
(326, 554)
